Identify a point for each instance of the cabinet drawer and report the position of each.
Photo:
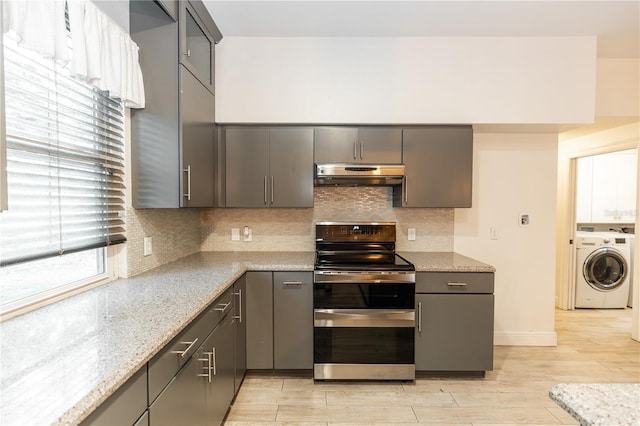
(454, 282)
(172, 357)
(125, 406)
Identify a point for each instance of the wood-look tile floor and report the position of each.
(594, 346)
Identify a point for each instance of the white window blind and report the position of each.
(65, 161)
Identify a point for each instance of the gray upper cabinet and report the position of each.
(268, 167)
(197, 43)
(198, 142)
(173, 137)
(438, 167)
(371, 145)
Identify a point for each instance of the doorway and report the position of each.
(614, 140)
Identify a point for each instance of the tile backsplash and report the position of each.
(176, 233)
(293, 229)
(179, 232)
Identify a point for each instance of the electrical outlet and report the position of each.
(148, 246)
(411, 234)
(524, 220)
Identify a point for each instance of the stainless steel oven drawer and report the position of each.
(364, 318)
(454, 282)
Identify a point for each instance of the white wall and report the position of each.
(514, 174)
(618, 87)
(406, 80)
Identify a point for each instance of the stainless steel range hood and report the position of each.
(358, 174)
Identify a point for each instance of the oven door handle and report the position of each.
(364, 317)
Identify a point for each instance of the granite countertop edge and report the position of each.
(599, 404)
(218, 271)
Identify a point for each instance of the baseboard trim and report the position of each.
(520, 338)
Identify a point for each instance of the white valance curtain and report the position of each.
(101, 53)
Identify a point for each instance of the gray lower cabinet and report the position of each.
(455, 317)
(268, 167)
(201, 392)
(183, 401)
(372, 145)
(126, 406)
(219, 375)
(240, 330)
(292, 320)
(438, 167)
(259, 315)
(279, 320)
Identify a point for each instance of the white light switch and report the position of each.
(411, 234)
(247, 234)
(148, 246)
(493, 233)
(235, 234)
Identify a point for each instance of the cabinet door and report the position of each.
(155, 130)
(183, 401)
(240, 331)
(454, 332)
(259, 315)
(293, 320)
(196, 46)
(380, 145)
(219, 383)
(125, 406)
(247, 167)
(438, 167)
(291, 166)
(335, 145)
(198, 142)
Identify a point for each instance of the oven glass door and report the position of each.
(358, 345)
(363, 296)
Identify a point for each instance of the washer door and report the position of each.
(605, 269)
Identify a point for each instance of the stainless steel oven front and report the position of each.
(364, 325)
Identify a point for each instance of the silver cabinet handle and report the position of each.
(355, 149)
(292, 284)
(208, 366)
(183, 353)
(419, 317)
(239, 294)
(223, 308)
(265, 190)
(213, 358)
(188, 172)
(271, 189)
(454, 284)
(405, 188)
(361, 150)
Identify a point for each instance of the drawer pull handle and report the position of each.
(292, 284)
(183, 353)
(223, 307)
(457, 284)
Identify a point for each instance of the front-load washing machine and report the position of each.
(603, 270)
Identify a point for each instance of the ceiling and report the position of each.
(615, 23)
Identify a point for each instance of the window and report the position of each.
(65, 183)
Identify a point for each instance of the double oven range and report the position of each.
(364, 304)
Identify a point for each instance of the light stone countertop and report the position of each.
(602, 404)
(58, 363)
(445, 262)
